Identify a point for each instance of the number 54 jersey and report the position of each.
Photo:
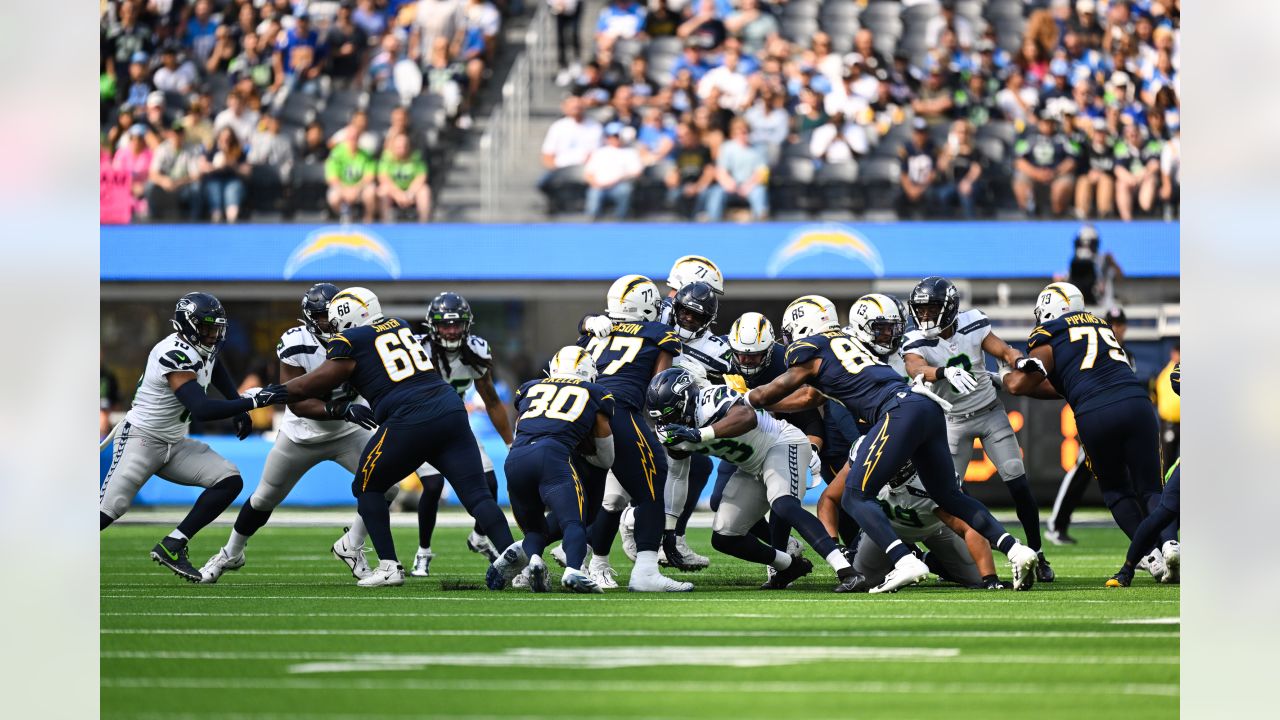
(626, 357)
(747, 450)
(393, 371)
(852, 376)
(1090, 368)
(560, 410)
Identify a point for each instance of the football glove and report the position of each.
(598, 325)
(1030, 365)
(351, 412)
(271, 395)
(243, 424)
(815, 467)
(676, 434)
(960, 379)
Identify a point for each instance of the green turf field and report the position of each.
(291, 636)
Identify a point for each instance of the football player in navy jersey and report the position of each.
(1165, 515)
(420, 419)
(636, 348)
(902, 425)
(556, 416)
(1075, 354)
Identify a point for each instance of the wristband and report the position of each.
(708, 434)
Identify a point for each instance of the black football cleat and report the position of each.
(782, 579)
(1120, 579)
(675, 557)
(1044, 573)
(172, 553)
(851, 582)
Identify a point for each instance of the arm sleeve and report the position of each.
(202, 407)
(604, 453)
(223, 382)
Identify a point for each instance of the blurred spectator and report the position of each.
(864, 45)
(369, 18)
(610, 172)
(654, 140)
(268, 148)
(839, 141)
(918, 171)
(1033, 62)
(1086, 24)
(752, 24)
(135, 157)
(354, 130)
(1137, 170)
(948, 20)
(348, 48)
(253, 64)
(139, 84)
(960, 167)
(693, 173)
(223, 172)
(174, 178)
(434, 18)
(350, 173)
(224, 50)
(734, 90)
(198, 123)
(973, 103)
(1171, 175)
(402, 180)
(199, 34)
(619, 19)
(568, 15)
(237, 117)
(1092, 270)
(1044, 169)
(769, 121)
(934, 101)
(568, 143)
(703, 27)
(741, 172)
(314, 147)
(125, 40)
(155, 117)
(173, 76)
(662, 20)
(481, 23)
(1096, 188)
(380, 73)
(299, 57)
(445, 77)
(1018, 100)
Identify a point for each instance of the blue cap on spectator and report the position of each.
(613, 129)
(1059, 67)
(140, 57)
(919, 124)
(138, 130)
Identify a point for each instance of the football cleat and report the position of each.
(602, 573)
(908, 571)
(1024, 561)
(522, 580)
(1172, 553)
(172, 553)
(537, 570)
(1059, 538)
(1044, 573)
(656, 582)
(627, 530)
(1120, 579)
(352, 557)
(782, 579)
(389, 573)
(478, 543)
(794, 548)
(677, 558)
(579, 582)
(1154, 564)
(691, 557)
(853, 583)
(219, 563)
(506, 567)
(995, 583)
(422, 563)
(557, 554)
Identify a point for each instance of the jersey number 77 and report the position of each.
(628, 346)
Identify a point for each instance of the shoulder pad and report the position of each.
(804, 350)
(1038, 336)
(479, 346)
(179, 360)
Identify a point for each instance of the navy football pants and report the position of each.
(640, 464)
(543, 476)
(1122, 442)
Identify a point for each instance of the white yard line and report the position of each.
(756, 599)
(665, 616)
(447, 632)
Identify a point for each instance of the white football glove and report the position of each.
(960, 379)
(598, 325)
(815, 467)
(1030, 365)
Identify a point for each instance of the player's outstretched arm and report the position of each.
(1029, 379)
(493, 406)
(916, 364)
(829, 502)
(739, 420)
(978, 546)
(770, 394)
(202, 407)
(995, 346)
(319, 383)
(312, 408)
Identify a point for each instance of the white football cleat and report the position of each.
(908, 571)
(691, 557)
(627, 529)
(537, 570)
(1154, 564)
(557, 554)
(478, 543)
(656, 582)
(521, 580)
(1171, 551)
(422, 563)
(213, 569)
(352, 557)
(578, 582)
(602, 573)
(389, 573)
(1023, 560)
(506, 567)
(794, 548)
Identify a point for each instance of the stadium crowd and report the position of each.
(214, 108)
(951, 108)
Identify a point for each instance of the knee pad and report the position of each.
(228, 483)
(722, 542)
(261, 502)
(1011, 469)
(614, 503)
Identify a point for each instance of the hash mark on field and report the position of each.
(639, 633)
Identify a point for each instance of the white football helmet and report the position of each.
(633, 297)
(752, 340)
(876, 321)
(354, 307)
(1058, 299)
(808, 315)
(692, 268)
(572, 363)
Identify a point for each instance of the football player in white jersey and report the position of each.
(771, 455)
(950, 348)
(152, 439)
(464, 361)
(313, 431)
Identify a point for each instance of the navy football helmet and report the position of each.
(315, 310)
(934, 304)
(694, 308)
(672, 397)
(449, 320)
(202, 321)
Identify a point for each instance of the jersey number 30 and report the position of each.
(401, 353)
(563, 402)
